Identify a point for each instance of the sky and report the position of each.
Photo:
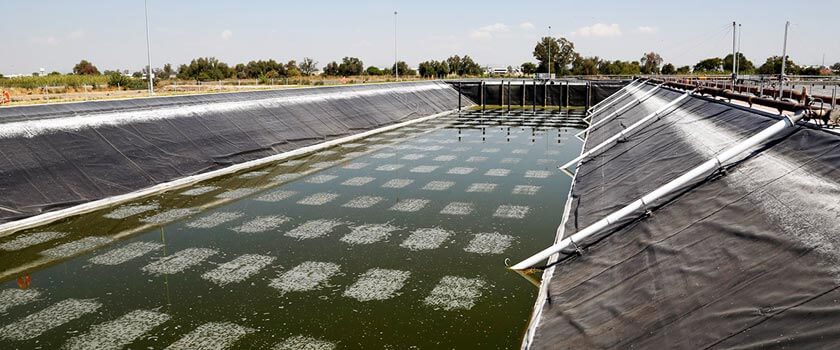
(55, 35)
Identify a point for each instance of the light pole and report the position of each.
(548, 43)
(784, 58)
(149, 73)
(396, 66)
(737, 59)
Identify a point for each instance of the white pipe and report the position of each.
(701, 170)
(622, 109)
(615, 97)
(624, 132)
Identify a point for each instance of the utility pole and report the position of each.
(149, 73)
(737, 60)
(734, 40)
(784, 58)
(396, 66)
(549, 51)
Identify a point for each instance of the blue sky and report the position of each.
(56, 34)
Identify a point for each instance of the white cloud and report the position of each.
(599, 30)
(647, 29)
(487, 32)
(227, 34)
(526, 25)
(77, 34)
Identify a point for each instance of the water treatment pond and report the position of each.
(395, 241)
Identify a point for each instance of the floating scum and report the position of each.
(395, 240)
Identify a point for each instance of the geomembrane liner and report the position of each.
(211, 336)
(197, 191)
(300, 342)
(72, 248)
(314, 228)
(169, 216)
(410, 204)
(319, 198)
(307, 276)
(179, 261)
(30, 239)
(215, 219)
(458, 208)
(131, 210)
(489, 243)
(125, 253)
(397, 183)
(239, 269)
(426, 238)
(10, 298)
(369, 233)
(455, 292)
(53, 316)
(511, 211)
(528, 190)
(438, 185)
(262, 224)
(116, 334)
(363, 202)
(275, 196)
(358, 181)
(377, 284)
(482, 187)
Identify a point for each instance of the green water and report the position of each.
(492, 316)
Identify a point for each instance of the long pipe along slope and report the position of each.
(644, 202)
(627, 89)
(622, 109)
(625, 132)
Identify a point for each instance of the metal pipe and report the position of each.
(508, 96)
(481, 86)
(534, 98)
(627, 89)
(622, 109)
(648, 199)
(625, 132)
(459, 97)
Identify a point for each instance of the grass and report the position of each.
(54, 80)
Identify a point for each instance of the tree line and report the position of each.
(566, 61)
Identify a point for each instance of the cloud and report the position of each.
(647, 29)
(44, 40)
(598, 30)
(77, 34)
(487, 32)
(526, 25)
(227, 34)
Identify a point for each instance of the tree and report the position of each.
(204, 69)
(668, 69)
(433, 69)
(373, 70)
(773, 65)
(292, 69)
(405, 70)
(84, 67)
(650, 63)
(836, 67)
(585, 65)
(53, 73)
(619, 67)
(528, 68)
(684, 70)
(745, 66)
(562, 54)
(351, 66)
(713, 65)
(331, 69)
(469, 67)
(308, 66)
